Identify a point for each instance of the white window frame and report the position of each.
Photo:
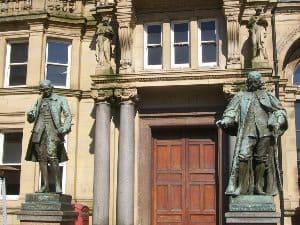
(2, 133)
(146, 65)
(296, 68)
(64, 171)
(183, 65)
(60, 64)
(200, 62)
(8, 64)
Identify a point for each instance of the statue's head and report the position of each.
(254, 81)
(46, 88)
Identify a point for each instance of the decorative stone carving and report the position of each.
(129, 94)
(14, 6)
(231, 11)
(125, 16)
(61, 5)
(102, 95)
(257, 26)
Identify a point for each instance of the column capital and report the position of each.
(102, 95)
(126, 95)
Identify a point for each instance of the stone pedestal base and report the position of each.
(252, 203)
(252, 209)
(260, 63)
(47, 209)
(253, 218)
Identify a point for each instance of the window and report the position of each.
(58, 63)
(10, 156)
(296, 78)
(180, 54)
(297, 120)
(16, 64)
(153, 46)
(208, 43)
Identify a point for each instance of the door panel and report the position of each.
(184, 187)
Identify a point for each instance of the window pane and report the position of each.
(181, 32)
(19, 52)
(209, 53)
(296, 79)
(17, 75)
(297, 115)
(208, 32)
(154, 34)
(12, 148)
(182, 54)
(58, 52)
(154, 56)
(12, 180)
(57, 75)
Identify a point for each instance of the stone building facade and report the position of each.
(146, 82)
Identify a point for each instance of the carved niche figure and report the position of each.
(257, 26)
(103, 43)
(46, 144)
(257, 118)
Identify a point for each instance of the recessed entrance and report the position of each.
(184, 177)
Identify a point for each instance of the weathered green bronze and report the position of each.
(257, 118)
(46, 144)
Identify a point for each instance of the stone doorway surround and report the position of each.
(147, 123)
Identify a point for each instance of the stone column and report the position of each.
(102, 157)
(125, 191)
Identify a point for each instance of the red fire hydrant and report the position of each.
(83, 214)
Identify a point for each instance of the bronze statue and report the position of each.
(257, 118)
(46, 144)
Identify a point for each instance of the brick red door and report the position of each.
(184, 181)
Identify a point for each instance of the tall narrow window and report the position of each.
(296, 78)
(153, 46)
(208, 43)
(180, 45)
(58, 63)
(10, 158)
(16, 64)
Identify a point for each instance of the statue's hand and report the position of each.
(30, 116)
(224, 123)
(61, 131)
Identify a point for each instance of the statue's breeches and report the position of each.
(255, 148)
(47, 148)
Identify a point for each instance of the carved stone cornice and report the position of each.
(102, 95)
(126, 95)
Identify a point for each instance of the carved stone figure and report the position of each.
(257, 118)
(103, 44)
(257, 26)
(46, 144)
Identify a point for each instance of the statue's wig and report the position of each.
(46, 83)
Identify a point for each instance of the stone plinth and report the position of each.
(252, 209)
(253, 218)
(47, 208)
(252, 203)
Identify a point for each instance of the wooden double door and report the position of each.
(184, 178)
